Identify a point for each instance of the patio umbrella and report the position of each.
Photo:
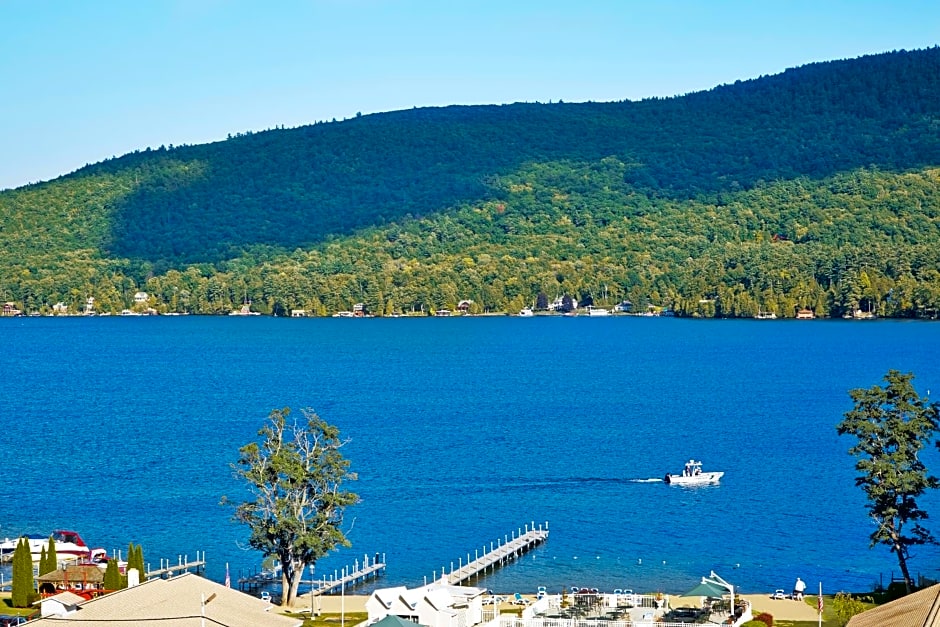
(707, 589)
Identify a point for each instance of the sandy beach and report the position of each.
(783, 609)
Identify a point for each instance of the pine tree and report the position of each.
(43, 562)
(135, 559)
(51, 557)
(112, 577)
(140, 563)
(23, 587)
(893, 424)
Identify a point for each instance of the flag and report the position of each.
(228, 579)
(819, 600)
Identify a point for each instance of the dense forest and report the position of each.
(818, 188)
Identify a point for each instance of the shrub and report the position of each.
(846, 606)
(764, 618)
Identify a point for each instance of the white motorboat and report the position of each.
(692, 475)
(69, 547)
(8, 546)
(526, 312)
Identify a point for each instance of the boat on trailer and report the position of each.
(692, 475)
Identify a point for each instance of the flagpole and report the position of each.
(819, 604)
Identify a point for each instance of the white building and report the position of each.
(60, 605)
(438, 604)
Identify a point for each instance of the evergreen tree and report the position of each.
(140, 563)
(23, 587)
(135, 559)
(51, 557)
(43, 562)
(893, 425)
(112, 576)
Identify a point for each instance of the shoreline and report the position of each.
(780, 609)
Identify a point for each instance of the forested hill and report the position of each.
(296, 187)
(815, 187)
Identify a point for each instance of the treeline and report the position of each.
(866, 240)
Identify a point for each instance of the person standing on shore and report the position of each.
(798, 589)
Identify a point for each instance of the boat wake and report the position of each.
(508, 485)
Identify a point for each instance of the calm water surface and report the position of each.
(463, 430)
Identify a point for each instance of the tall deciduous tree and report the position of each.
(296, 473)
(893, 424)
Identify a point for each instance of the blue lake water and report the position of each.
(463, 430)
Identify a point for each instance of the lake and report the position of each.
(462, 430)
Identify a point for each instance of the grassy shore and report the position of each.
(7, 609)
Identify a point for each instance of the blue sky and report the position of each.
(85, 80)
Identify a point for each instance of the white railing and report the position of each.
(531, 618)
(604, 599)
(511, 621)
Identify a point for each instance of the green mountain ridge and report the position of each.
(832, 162)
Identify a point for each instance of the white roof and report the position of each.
(65, 598)
(387, 596)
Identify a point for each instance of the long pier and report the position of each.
(498, 554)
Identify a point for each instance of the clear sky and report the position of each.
(85, 80)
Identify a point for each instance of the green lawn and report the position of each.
(829, 616)
(332, 620)
(6, 607)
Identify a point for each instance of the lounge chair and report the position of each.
(518, 599)
(627, 598)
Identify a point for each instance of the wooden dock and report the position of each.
(348, 577)
(182, 565)
(498, 554)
